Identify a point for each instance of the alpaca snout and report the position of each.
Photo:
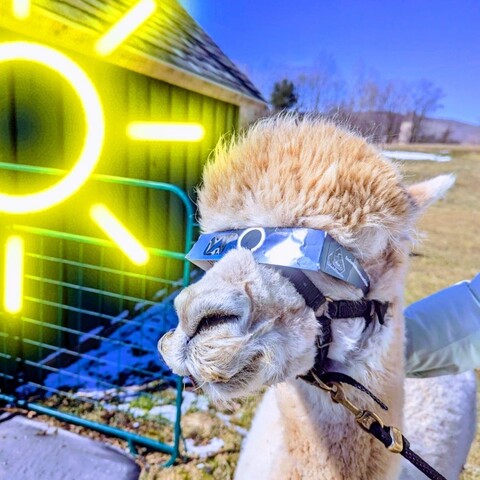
(171, 347)
(217, 358)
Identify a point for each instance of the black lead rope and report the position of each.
(390, 437)
(385, 436)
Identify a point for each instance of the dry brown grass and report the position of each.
(450, 250)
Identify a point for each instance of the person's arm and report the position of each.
(443, 331)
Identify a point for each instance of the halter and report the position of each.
(336, 309)
(332, 382)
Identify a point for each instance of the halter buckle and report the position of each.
(322, 385)
(366, 419)
(397, 440)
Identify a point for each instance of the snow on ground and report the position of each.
(168, 411)
(204, 451)
(416, 156)
(128, 356)
(226, 419)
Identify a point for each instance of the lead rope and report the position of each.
(391, 437)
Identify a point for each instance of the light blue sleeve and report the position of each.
(443, 331)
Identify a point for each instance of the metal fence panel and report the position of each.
(87, 309)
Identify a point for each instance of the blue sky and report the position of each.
(409, 40)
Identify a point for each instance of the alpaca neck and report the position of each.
(325, 436)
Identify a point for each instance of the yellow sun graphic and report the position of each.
(88, 158)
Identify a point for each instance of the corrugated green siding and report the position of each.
(41, 124)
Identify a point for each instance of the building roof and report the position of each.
(169, 46)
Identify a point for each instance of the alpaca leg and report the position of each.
(440, 420)
(263, 446)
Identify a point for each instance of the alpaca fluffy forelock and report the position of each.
(287, 172)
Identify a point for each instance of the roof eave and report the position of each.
(66, 34)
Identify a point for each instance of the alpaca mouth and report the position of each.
(241, 379)
(238, 380)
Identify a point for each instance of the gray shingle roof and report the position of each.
(170, 35)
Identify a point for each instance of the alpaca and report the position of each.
(244, 326)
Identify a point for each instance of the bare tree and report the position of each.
(425, 99)
(365, 94)
(385, 101)
(321, 88)
(394, 102)
(372, 105)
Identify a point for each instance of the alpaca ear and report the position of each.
(425, 193)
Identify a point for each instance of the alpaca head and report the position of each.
(243, 325)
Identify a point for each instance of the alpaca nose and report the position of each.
(210, 321)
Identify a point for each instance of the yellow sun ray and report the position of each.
(121, 30)
(82, 170)
(13, 274)
(165, 131)
(94, 120)
(21, 9)
(119, 234)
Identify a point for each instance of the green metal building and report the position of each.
(76, 280)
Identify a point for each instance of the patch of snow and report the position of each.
(119, 317)
(139, 306)
(128, 394)
(226, 420)
(160, 294)
(166, 411)
(135, 411)
(202, 403)
(188, 399)
(204, 451)
(416, 156)
(108, 407)
(194, 400)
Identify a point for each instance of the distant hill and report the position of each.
(388, 127)
(451, 131)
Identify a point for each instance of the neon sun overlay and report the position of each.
(92, 145)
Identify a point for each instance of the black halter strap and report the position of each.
(338, 309)
(314, 298)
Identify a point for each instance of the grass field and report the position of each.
(450, 249)
(448, 252)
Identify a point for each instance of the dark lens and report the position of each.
(251, 239)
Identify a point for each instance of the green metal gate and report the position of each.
(81, 295)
